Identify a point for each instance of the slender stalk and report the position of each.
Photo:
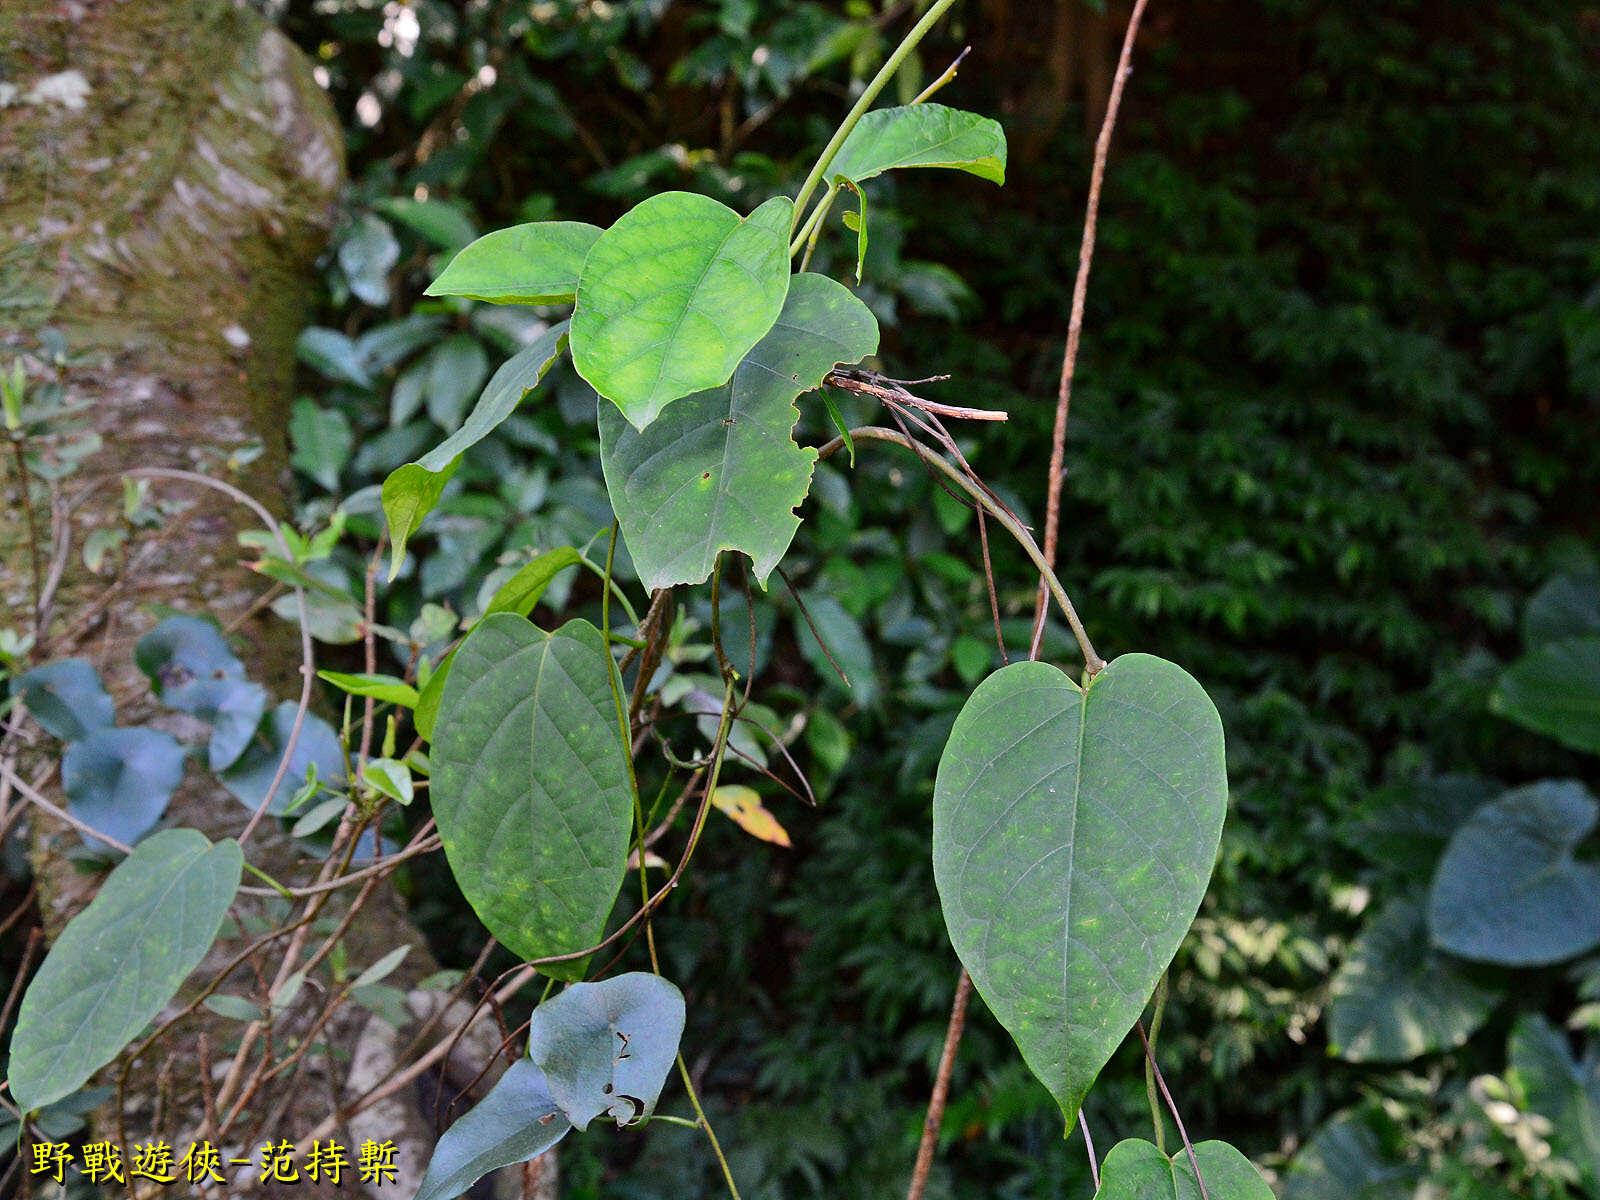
(941, 1088)
(1150, 1067)
(1172, 1107)
(864, 101)
(1088, 1141)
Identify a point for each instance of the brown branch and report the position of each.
(1080, 289)
(941, 1087)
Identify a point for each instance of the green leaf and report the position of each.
(1344, 1160)
(1396, 997)
(1563, 1089)
(390, 778)
(322, 441)
(235, 1008)
(526, 264)
(119, 781)
(366, 255)
(1555, 691)
(516, 1121)
(118, 963)
(318, 745)
(848, 650)
(443, 224)
(334, 356)
(522, 591)
(531, 786)
(66, 698)
(428, 700)
(232, 706)
(386, 688)
(1507, 889)
(456, 368)
(1136, 1170)
(412, 492)
(181, 650)
(922, 135)
(381, 969)
(673, 296)
(606, 1048)
(1567, 606)
(856, 222)
(719, 470)
(1074, 833)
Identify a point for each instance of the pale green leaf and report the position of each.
(522, 591)
(322, 441)
(1074, 833)
(531, 788)
(516, 1121)
(235, 1008)
(922, 135)
(381, 969)
(119, 962)
(606, 1047)
(1567, 606)
(1508, 890)
(410, 493)
(674, 294)
(538, 263)
(719, 470)
(386, 688)
(1396, 997)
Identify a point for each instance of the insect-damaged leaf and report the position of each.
(1074, 832)
(719, 470)
(674, 294)
(119, 961)
(530, 784)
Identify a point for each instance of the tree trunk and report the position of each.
(168, 171)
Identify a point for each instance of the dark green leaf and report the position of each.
(674, 295)
(1396, 997)
(443, 224)
(848, 651)
(1136, 1170)
(1563, 1089)
(531, 787)
(719, 470)
(181, 652)
(606, 1048)
(526, 264)
(1074, 833)
(119, 962)
(1555, 691)
(334, 356)
(318, 744)
(1507, 890)
(456, 369)
(1567, 606)
(516, 1121)
(119, 780)
(66, 698)
(922, 135)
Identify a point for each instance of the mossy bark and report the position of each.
(168, 172)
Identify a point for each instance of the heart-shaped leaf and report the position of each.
(1136, 1170)
(1396, 997)
(67, 698)
(1555, 691)
(719, 470)
(1507, 889)
(531, 787)
(538, 263)
(411, 492)
(1074, 833)
(118, 963)
(181, 651)
(922, 135)
(118, 781)
(516, 1121)
(674, 294)
(318, 744)
(607, 1047)
(234, 708)
(1561, 1088)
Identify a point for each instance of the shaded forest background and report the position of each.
(1335, 422)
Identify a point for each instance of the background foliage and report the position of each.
(1335, 422)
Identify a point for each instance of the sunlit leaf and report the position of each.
(538, 263)
(922, 135)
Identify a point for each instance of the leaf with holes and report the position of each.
(1074, 832)
(922, 135)
(719, 470)
(606, 1047)
(118, 781)
(1136, 1170)
(674, 294)
(531, 787)
(119, 962)
(538, 263)
(516, 1121)
(67, 698)
(1396, 997)
(1508, 890)
(411, 492)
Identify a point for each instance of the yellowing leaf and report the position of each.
(749, 814)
